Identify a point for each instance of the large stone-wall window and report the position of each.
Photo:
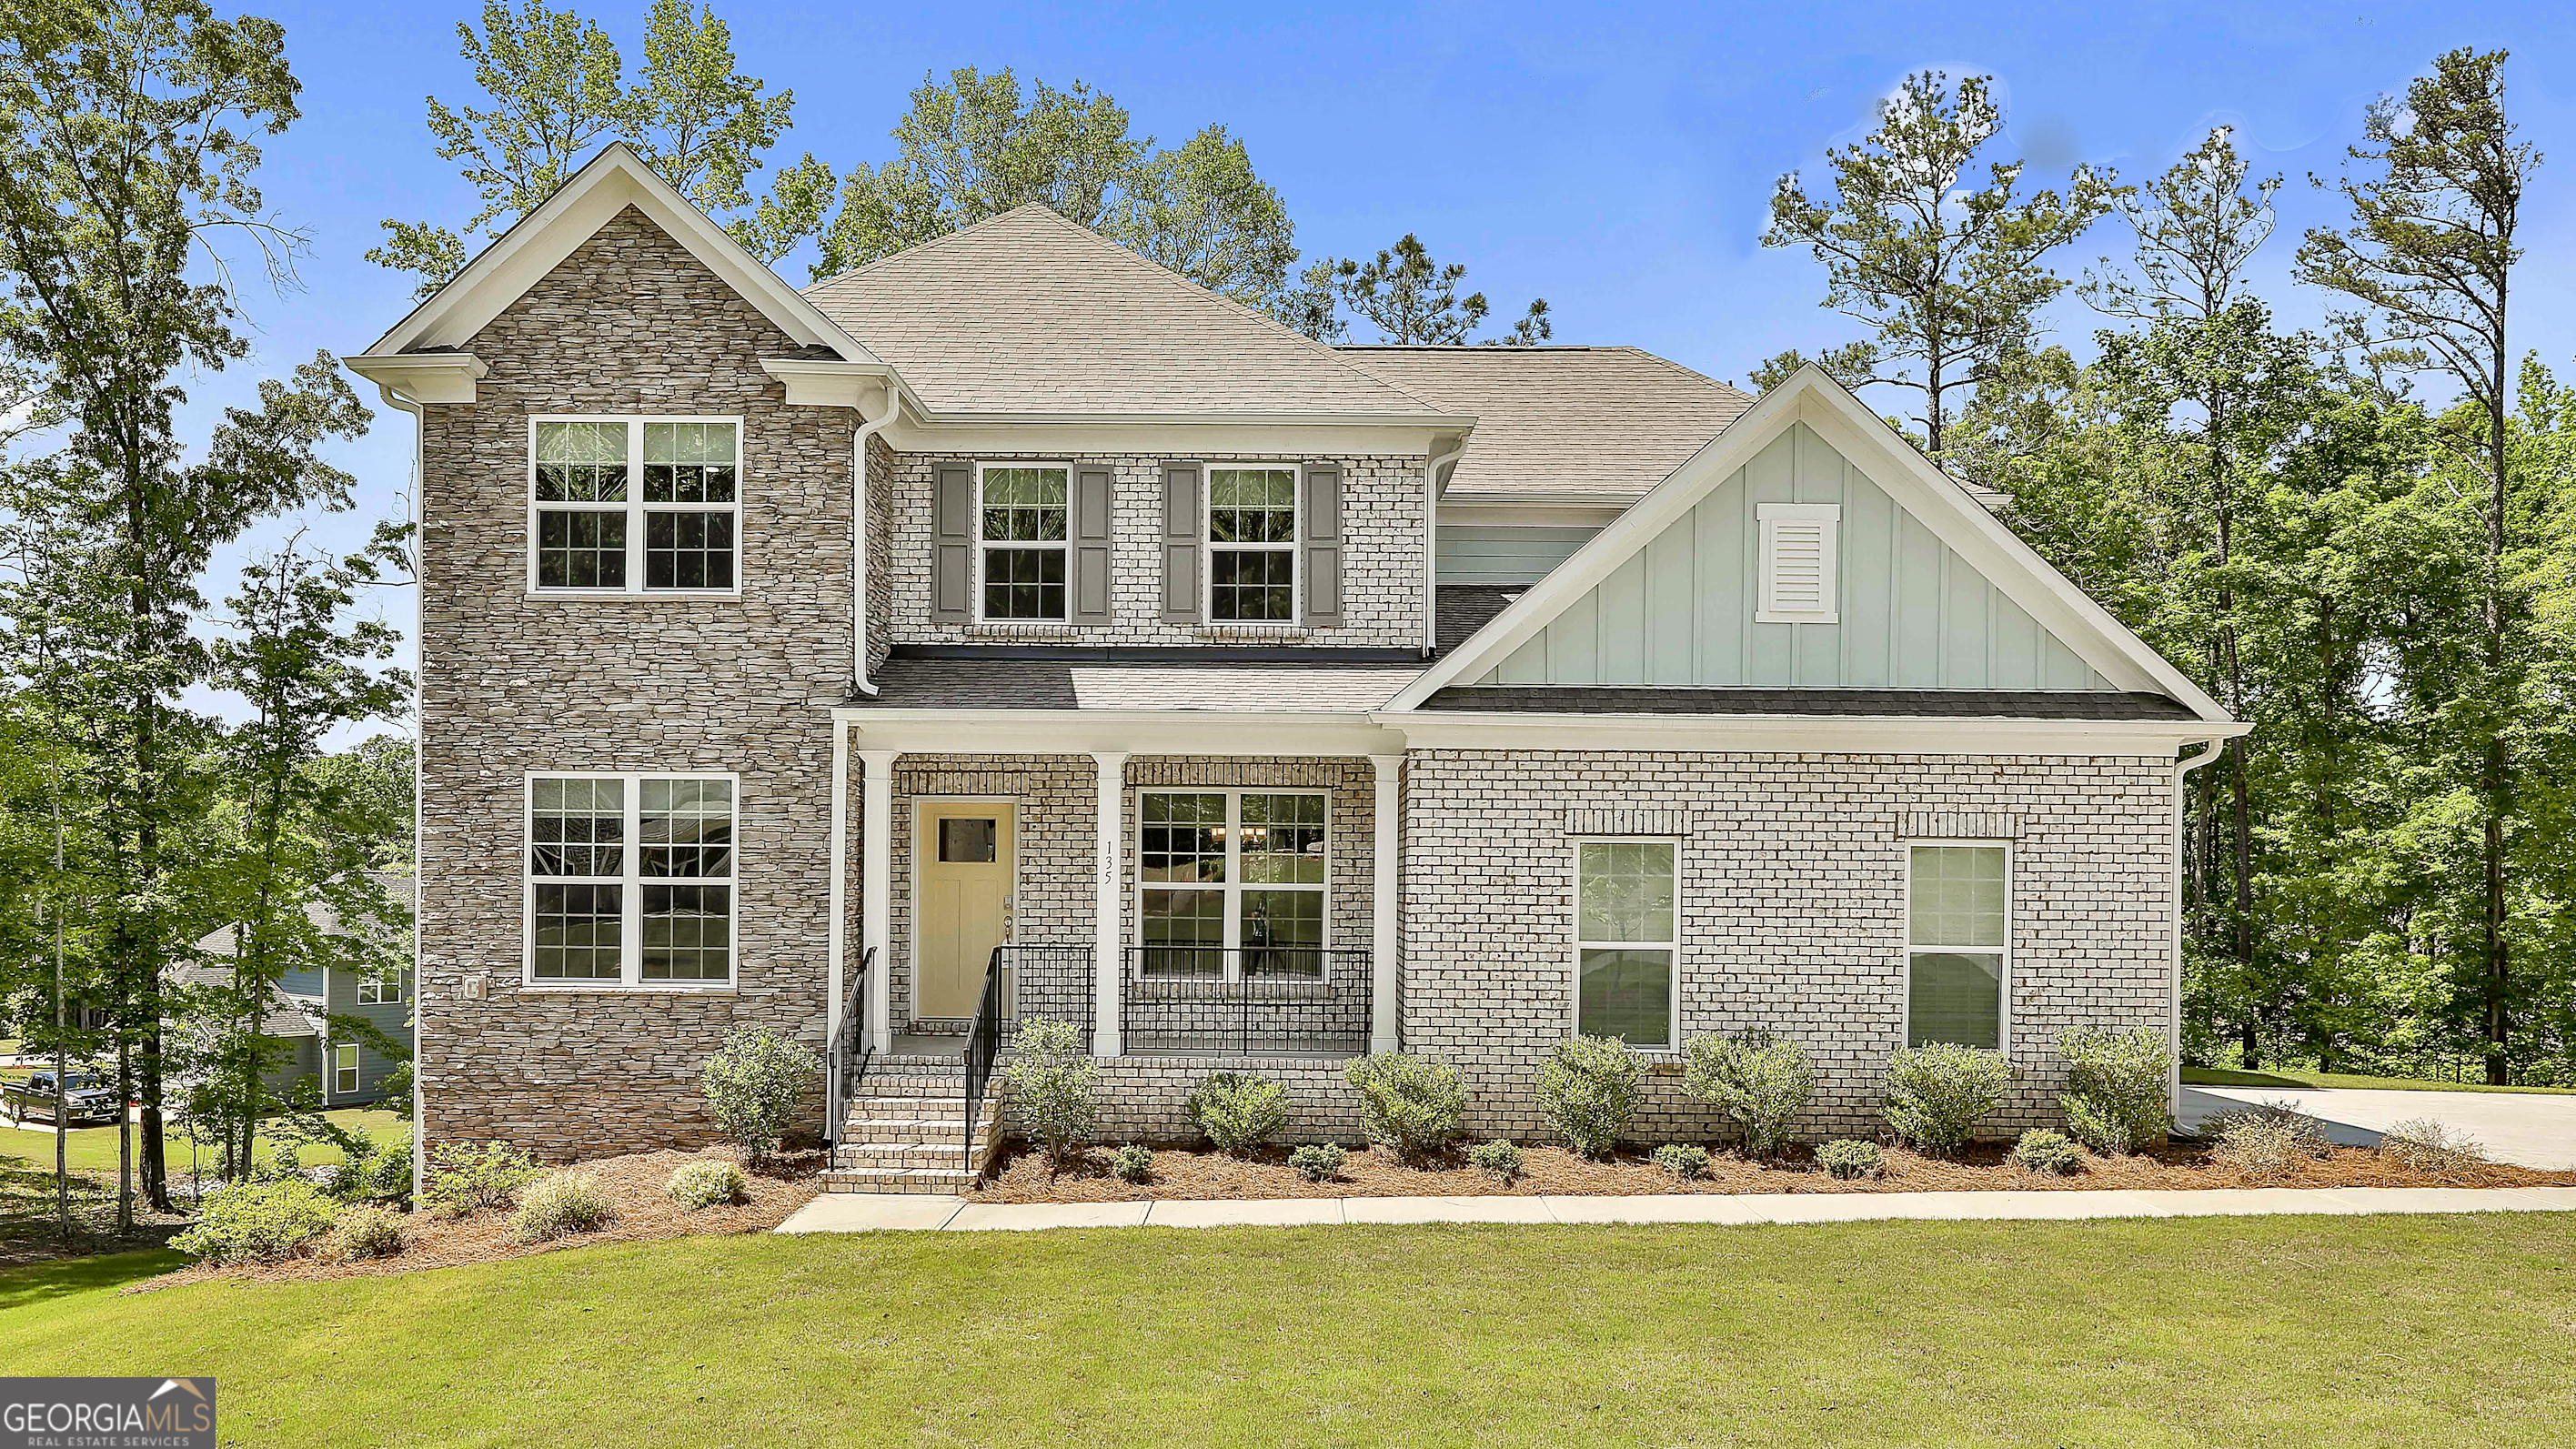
(631, 880)
(1958, 929)
(634, 505)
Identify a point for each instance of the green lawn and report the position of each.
(93, 1149)
(2396, 1331)
(2223, 1077)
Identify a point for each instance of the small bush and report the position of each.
(2041, 1151)
(1133, 1163)
(2421, 1144)
(1587, 1090)
(284, 1160)
(1410, 1105)
(1755, 1080)
(1937, 1094)
(465, 1178)
(2268, 1140)
(1318, 1162)
(560, 1204)
(258, 1221)
(389, 1171)
(2115, 1099)
(706, 1183)
(1497, 1159)
(367, 1231)
(755, 1083)
(1682, 1160)
(1239, 1111)
(1846, 1160)
(1054, 1087)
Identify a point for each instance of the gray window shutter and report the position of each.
(1181, 551)
(1092, 493)
(952, 544)
(1322, 544)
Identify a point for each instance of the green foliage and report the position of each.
(706, 1184)
(1497, 1159)
(1587, 1090)
(1407, 297)
(1317, 1162)
(1132, 1163)
(756, 1083)
(367, 1230)
(1755, 1080)
(559, 1205)
(1054, 1087)
(465, 1178)
(2117, 1083)
(1847, 1160)
(255, 1221)
(1238, 1110)
(1937, 1094)
(1682, 1160)
(2050, 1153)
(1410, 1105)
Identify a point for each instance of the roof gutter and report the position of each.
(2209, 750)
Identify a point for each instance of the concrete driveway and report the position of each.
(2529, 1128)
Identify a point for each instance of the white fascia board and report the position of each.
(1303, 436)
(826, 384)
(1800, 734)
(1153, 732)
(423, 377)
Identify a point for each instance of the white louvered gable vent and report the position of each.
(1798, 562)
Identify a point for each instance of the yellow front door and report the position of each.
(965, 909)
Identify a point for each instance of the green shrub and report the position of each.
(1497, 1159)
(284, 1160)
(1846, 1160)
(256, 1221)
(1682, 1160)
(1755, 1080)
(397, 1089)
(2044, 1152)
(1587, 1090)
(2267, 1140)
(2116, 1092)
(560, 1204)
(1410, 1105)
(2421, 1144)
(471, 1177)
(1239, 1111)
(1318, 1162)
(1937, 1094)
(755, 1083)
(1054, 1087)
(367, 1230)
(1133, 1163)
(706, 1183)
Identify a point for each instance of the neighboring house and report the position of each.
(348, 1069)
(1013, 606)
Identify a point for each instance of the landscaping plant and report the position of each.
(1410, 1105)
(1319, 1161)
(755, 1083)
(1682, 1160)
(2115, 1099)
(1847, 1159)
(560, 1204)
(1497, 1159)
(1238, 1110)
(2268, 1140)
(367, 1230)
(1937, 1094)
(258, 1221)
(2422, 1144)
(1587, 1090)
(465, 1178)
(1132, 1163)
(2046, 1152)
(1755, 1080)
(705, 1184)
(1053, 1087)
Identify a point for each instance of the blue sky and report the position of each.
(1615, 159)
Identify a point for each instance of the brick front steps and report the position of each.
(907, 1131)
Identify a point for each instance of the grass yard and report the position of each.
(2395, 1331)
(2226, 1077)
(93, 1149)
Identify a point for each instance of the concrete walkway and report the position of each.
(2530, 1129)
(849, 1212)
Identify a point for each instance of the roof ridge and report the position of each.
(919, 247)
(1689, 372)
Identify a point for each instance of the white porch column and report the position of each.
(1108, 962)
(876, 888)
(837, 935)
(1383, 907)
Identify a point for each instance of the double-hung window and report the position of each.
(1021, 548)
(1626, 939)
(1958, 914)
(1252, 545)
(635, 505)
(1232, 884)
(631, 880)
(344, 1068)
(380, 987)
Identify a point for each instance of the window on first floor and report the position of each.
(631, 879)
(1232, 884)
(1958, 925)
(344, 1068)
(635, 505)
(1626, 939)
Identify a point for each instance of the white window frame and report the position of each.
(349, 1049)
(1295, 547)
(1234, 885)
(1905, 974)
(1767, 608)
(631, 882)
(1574, 928)
(1063, 545)
(386, 984)
(635, 508)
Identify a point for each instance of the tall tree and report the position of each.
(2436, 194)
(1948, 280)
(1408, 298)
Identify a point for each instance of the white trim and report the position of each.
(631, 882)
(1233, 885)
(1295, 547)
(912, 888)
(1823, 523)
(1108, 838)
(1385, 910)
(836, 931)
(635, 509)
(1801, 734)
(356, 1062)
(1143, 732)
(876, 887)
(1533, 510)
(424, 377)
(1905, 971)
(1673, 948)
(1063, 547)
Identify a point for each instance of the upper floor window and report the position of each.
(380, 987)
(635, 505)
(1252, 545)
(631, 879)
(1021, 548)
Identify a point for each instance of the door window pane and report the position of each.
(970, 841)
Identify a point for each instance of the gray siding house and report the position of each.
(309, 1015)
(1012, 628)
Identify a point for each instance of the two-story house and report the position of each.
(1011, 627)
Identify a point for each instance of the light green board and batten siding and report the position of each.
(1910, 613)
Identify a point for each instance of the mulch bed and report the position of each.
(1190, 1173)
(634, 1184)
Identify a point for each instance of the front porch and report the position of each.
(1304, 1004)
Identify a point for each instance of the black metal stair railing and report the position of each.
(847, 1060)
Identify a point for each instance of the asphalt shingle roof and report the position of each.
(1012, 680)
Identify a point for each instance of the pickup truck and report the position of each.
(85, 1098)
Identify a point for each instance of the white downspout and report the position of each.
(1431, 546)
(419, 592)
(868, 428)
(2209, 750)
